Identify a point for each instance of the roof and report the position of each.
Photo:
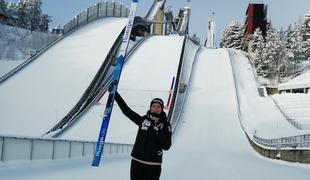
(301, 81)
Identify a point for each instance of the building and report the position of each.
(298, 84)
(256, 17)
(58, 30)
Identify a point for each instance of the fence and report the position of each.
(97, 11)
(19, 148)
(293, 142)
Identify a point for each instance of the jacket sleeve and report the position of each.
(133, 116)
(164, 136)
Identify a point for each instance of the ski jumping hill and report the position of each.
(41, 94)
(209, 142)
(147, 74)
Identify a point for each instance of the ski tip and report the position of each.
(135, 1)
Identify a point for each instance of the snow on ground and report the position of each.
(40, 95)
(295, 106)
(147, 74)
(112, 167)
(18, 44)
(6, 66)
(258, 113)
(209, 143)
(301, 81)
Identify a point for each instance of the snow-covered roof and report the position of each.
(301, 81)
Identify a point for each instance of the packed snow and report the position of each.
(40, 95)
(208, 144)
(147, 74)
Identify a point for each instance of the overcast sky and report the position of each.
(280, 12)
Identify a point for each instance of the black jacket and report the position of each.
(154, 134)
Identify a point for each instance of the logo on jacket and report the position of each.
(159, 153)
(146, 124)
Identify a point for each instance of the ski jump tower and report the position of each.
(156, 16)
(210, 40)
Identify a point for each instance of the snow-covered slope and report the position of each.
(147, 74)
(210, 143)
(41, 94)
(258, 113)
(18, 44)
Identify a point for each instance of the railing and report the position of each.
(300, 142)
(180, 92)
(26, 148)
(173, 114)
(98, 11)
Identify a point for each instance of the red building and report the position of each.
(256, 17)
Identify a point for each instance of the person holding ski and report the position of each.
(154, 136)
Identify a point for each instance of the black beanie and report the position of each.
(158, 101)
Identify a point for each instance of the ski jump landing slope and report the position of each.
(146, 74)
(42, 93)
(209, 142)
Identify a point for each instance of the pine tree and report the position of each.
(269, 54)
(28, 14)
(256, 41)
(34, 8)
(45, 20)
(23, 14)
(233, 36)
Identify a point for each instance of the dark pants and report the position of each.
(140, 171)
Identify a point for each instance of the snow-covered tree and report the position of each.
(3, 5)
(269, 54)
(298, 41)
(28, 14)
(257, 41)
(45, 20)
(233, 36)
(23, 14)
(34, 8)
